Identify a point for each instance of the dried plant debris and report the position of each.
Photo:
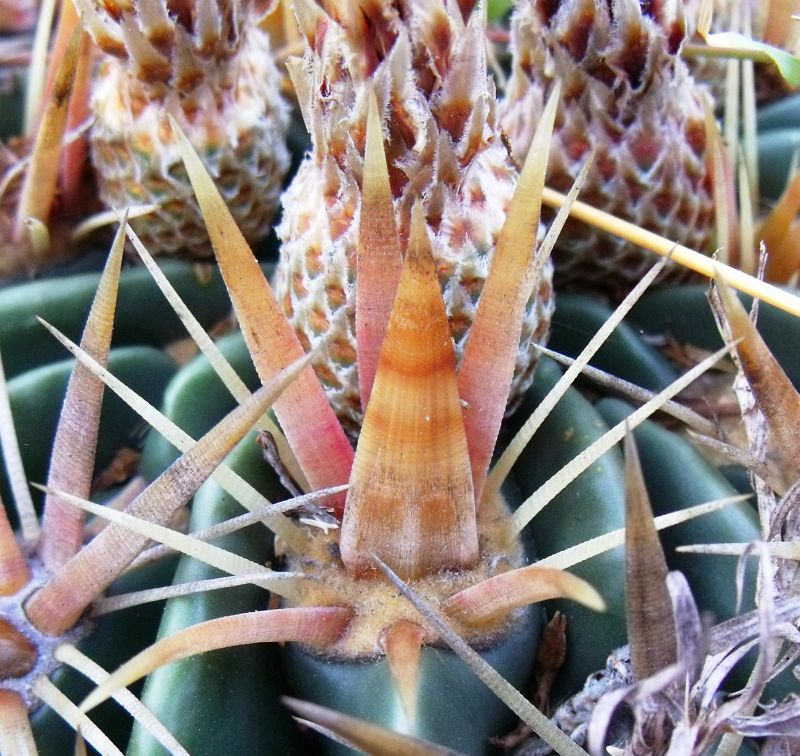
(701, 710)
(772, 391)
(574, 714)
(691, 691)
(675, 691)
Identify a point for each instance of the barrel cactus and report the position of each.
(390, 600)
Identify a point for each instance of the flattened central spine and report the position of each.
(411, 500)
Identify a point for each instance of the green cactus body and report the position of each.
(591, 505)
(683, 314)
(64, 303)
(180, 402)
(625, 354)
(366, 689)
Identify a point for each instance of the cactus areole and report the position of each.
(410, 501)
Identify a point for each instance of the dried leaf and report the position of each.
(602, 718)
(717, 668)
(551, 653)
(745, 626)
(768, 642)
(781, 719)
(691, 638)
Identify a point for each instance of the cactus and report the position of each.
(404, 577)
(209, 66)
(437, 111)
(629, 99)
